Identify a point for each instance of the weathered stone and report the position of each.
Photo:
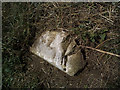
(56, 48)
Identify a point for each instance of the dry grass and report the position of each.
(96, 23)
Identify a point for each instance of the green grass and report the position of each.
(21, 22)
(16, 39)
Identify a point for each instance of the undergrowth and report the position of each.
(21, 21)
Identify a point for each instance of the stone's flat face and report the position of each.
(57, 48)
(75, 63)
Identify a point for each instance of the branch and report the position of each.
(101, 51)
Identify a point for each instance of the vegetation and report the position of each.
(96, 23)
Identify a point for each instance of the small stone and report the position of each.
(56, 48)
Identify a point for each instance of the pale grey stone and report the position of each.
(59, 50)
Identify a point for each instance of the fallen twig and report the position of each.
(100, 51)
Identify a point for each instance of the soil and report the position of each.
(98, 73)
(101, 70)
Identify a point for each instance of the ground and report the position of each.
(95, 24)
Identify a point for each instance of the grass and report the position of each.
(22, 21)
(16, 39)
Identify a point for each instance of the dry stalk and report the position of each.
(104, 42)
(100, 51)
(109, 20)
